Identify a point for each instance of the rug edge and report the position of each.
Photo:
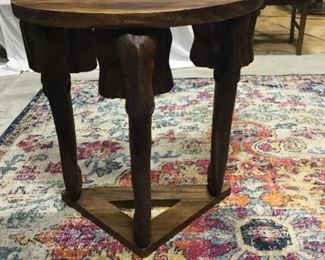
(12, 126)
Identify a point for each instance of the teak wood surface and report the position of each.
(129, 13)
(131, 41)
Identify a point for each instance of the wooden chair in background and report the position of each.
(296, 5)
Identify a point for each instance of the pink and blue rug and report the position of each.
(276, 169)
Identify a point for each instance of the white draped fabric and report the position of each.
(11, 40)
(180, 51)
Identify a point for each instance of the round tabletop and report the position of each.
(129, 13)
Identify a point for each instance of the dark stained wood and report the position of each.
(226, 46)
(137, 55)
(55, 77)
(111, 79)
(78, 48)
(129, 13)
(96, 204)
(212, 40)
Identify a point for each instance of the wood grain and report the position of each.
(78, 50)
(98, 204)
(227, 47)
(129, 13)
(112, 81)
(137, 54)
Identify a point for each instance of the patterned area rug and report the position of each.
(276, 169)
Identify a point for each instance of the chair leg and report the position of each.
(292, 25)
(302, 25)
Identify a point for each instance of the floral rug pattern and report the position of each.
(276, 169)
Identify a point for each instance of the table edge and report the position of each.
(80, 20)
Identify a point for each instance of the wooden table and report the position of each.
(131, 41)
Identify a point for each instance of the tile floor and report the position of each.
(273, 23)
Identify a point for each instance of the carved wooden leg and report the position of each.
(111, 79)
(137, 62)
(55, 53)
(55, 79)
(56, 86)
(223, 107)
(230, 46)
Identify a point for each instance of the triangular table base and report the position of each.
(188, 202)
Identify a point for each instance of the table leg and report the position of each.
(137, 63)
(226, 47)
(55, 53)
(223, 107)
(55, 78)
(134, 64)
(56, 87)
